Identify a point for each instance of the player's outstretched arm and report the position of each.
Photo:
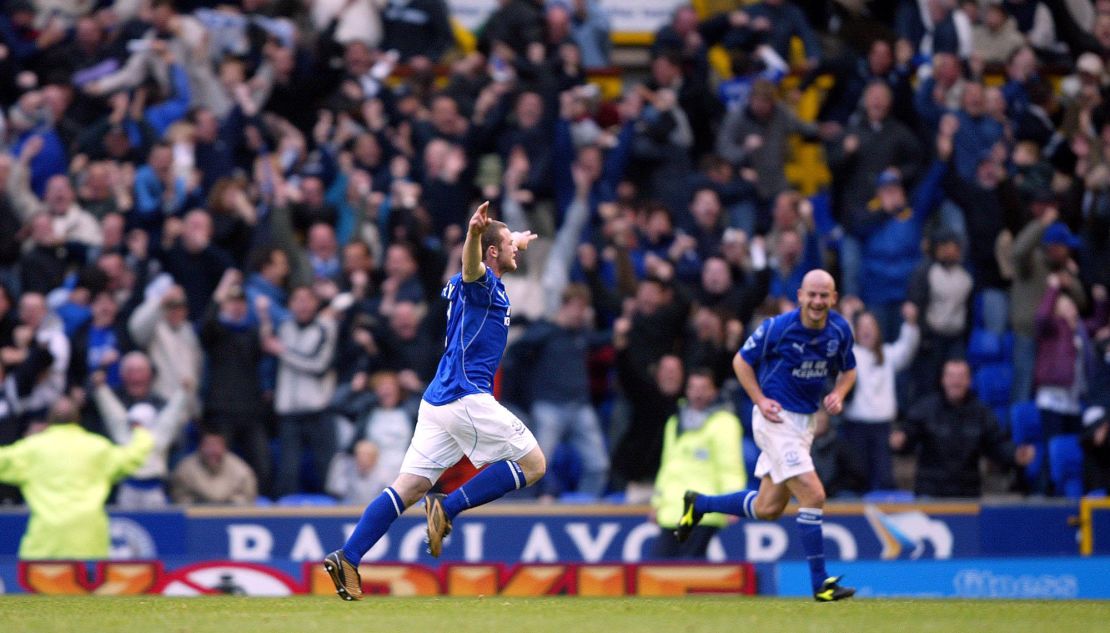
(473, 268)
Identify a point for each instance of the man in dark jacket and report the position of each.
(195, 263)
(1096, 450)
(417, 28)
(516, 23)
(233, 400)
(949, 432)
(652, 391)
(873, 142)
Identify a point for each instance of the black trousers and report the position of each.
(666, 546)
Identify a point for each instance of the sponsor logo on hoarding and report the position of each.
(225, 577)
(130, 540)
(984, 583)
(909, 534)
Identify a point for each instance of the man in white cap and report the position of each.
(145, 488)
(1089, 75)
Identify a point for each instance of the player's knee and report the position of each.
(411, 488)
(812, 499)
(768, 511)
(534, 466)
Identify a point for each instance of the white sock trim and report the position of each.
(810, 516)
(395, 499)
(516, 476)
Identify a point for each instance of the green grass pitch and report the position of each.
(301, 614)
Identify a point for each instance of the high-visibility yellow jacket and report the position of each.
(708, 459)
(65, 474)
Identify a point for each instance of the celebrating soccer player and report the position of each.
(794, 354)
(458, 415)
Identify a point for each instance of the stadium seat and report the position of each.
(1065, 464)
(888, 496)
(993, 382)
(565, 467)
(305, 499)
(1025, 423)
(1097, 493)
(1025, 428)
(977, 310)
(618, 497)
(1002, 412)
(577, 497)
(986, 347)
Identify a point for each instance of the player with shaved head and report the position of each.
(785, 367)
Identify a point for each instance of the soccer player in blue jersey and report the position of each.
(458, 415)
(784, 366)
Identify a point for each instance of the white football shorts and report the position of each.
(476, 426)
(784, 447)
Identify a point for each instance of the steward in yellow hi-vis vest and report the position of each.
(65, 474)
(701, 451)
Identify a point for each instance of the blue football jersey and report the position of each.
(793, 363)
(477, 325)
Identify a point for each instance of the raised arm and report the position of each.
(473, 268)
(112, 411)
(144, 320)
(902, 351)
(121, 461)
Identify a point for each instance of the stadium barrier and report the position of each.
(511, 549)
(514, 533)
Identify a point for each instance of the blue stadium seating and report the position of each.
(985, 347)
(1025, 428)
(888, 496)
(977, 310)
(577, 497)
(618, 497)
(1065, 463)
(299, 499)
(1025, 423)
(992, 383)
(565, 467)
(1002, 412)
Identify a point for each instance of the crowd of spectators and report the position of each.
(230, 223)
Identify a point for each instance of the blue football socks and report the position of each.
(809, 524)
(489, 484)
(376, 519)
(741, 504)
